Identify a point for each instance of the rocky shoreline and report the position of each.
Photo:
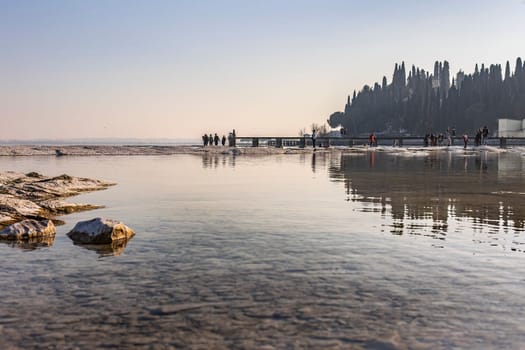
(29, 203)
(38, 197)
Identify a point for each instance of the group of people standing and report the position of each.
(481, 137)
(440, 138)
(437, 140)
(210, 140)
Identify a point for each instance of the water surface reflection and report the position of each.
(31, 243)
(280, 252)
(426, 195)
(114, 248)
(213, 160)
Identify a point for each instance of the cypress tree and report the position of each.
(444, 82)
(507, 70)
(430, 103)
(403, 75)
(519, 66)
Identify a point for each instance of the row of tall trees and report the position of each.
(425, 102)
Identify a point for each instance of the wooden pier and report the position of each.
(325, 141)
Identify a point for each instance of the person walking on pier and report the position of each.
(477, 138)
(372, 140)
(223, 140)
(485, 134)
(465, 140)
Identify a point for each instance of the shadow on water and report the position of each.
(424, 195)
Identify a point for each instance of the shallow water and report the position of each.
(368, 250)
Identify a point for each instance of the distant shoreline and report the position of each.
(102, 142)
(147, 150)
(128, 150)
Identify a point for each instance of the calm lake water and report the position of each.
(371, 251)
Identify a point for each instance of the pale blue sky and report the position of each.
(108, 68)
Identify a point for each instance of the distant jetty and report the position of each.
(246, 145)
(137, 150)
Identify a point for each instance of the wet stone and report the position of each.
(35, 196)
(100, 231)
(28, 229)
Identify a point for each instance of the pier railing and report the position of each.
(326, 141)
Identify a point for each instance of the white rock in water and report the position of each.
(99, 231)
(28, 229)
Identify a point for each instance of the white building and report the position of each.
(511, 128)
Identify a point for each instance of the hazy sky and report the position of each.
(177, 69)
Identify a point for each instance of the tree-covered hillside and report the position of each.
(424, 102)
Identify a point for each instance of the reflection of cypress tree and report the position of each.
(425, 103)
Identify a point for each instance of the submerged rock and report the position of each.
(28, 229)
(100, 231)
